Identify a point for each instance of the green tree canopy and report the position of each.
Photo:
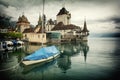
(11, 35)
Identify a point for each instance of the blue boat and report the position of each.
(44, 54)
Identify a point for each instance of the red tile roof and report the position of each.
(28, 30)
(61, 26)
(32, 30)
(41, 31)
(23, 19)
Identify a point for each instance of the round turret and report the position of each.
(23, 19)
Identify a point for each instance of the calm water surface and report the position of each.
(98, 59)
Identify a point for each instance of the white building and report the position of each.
(67, 29)
(3, 30)
(61, 25)
(33, 35)
(64, 25)
(64, 16)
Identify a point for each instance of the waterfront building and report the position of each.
(3, 30)
(33, 35)
(68, 31)
(57, 30)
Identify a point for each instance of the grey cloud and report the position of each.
(117, 27)
(28, 4)
(4, 3)
(116, 21)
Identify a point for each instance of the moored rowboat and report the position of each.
(42, 55)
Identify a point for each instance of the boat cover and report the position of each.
(42, 53)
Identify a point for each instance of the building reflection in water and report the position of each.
(69, 50)
(85, 49)
(64, 63)
(30, 48)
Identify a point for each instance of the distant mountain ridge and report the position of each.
(105, 35)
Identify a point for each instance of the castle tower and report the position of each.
(44, 20)
(22, 23)
(85, 31)
(40, 20)
(64, 16)
(50, 25)
(39, 25)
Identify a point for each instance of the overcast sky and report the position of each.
(103, 16)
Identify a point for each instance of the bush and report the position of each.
(11, 35)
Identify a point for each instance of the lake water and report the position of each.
(98, 59)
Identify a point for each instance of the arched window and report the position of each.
(38, 36)
(43, 36)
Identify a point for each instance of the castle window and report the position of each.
(38, 36)
(43, 36)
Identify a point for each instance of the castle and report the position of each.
(60, 29)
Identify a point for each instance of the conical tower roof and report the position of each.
(40, 20)
(63, 11)
(85, 27)
(23, 18)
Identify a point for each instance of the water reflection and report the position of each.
(4, 56)
(77, 61)
(64, 63)
(68, 50)
(40, 71)
(84, 50)
(38, 67)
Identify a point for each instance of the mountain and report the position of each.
(105, 34)
(111, 35)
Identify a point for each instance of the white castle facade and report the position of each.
(61, 25)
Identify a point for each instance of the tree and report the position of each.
(12, 35)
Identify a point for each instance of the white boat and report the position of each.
(8, 43)
(6, 46)
(44, 54)
(38, 67)
(20, 42)
(39, 61)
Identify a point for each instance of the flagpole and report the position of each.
(43, 21)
